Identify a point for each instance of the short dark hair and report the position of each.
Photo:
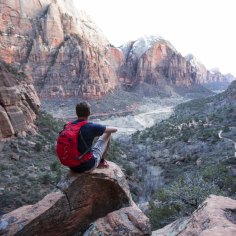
(83, 109)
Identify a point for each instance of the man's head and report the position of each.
(83, 109)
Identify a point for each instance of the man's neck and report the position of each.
(83, 118)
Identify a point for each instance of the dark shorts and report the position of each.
(97, 150)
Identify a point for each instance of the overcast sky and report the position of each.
(205, 28)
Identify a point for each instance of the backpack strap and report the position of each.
(88, 149)
(82, 138)
(85, 144)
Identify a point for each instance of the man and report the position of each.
(87, 134)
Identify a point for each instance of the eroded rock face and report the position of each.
(82, 199)
(215, 216)
(59, 47)
(210, 78)
(19, 102)
(154, 60)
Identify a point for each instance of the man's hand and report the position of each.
(110, 130)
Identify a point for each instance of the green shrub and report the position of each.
(226, 129)
(181, 198)
(38, 147)
(45, 179)
(55, 166)
(129, 170)
(114, 151)
(161, 216)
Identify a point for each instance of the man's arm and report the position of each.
(110, 130)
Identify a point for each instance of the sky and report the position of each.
(204, 28)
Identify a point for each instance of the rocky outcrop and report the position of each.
(154, 60)
(19, 102)
(212, 79)
(59, 47)
(215, 216)
(198, 69)
(81, 200)
(127, 221)
(218, 81)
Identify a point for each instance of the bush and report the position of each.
(181, 198)
(38, 147)
(114, 151)
(161, 216)
(129, 170)
(55, 166)
(45, 179)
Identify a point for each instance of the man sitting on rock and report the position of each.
(87, 134)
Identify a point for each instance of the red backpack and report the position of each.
(67, 145)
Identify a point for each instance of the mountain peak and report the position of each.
(144, 43)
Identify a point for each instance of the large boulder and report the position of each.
(81, 199)
(127, 221)
(215, 216)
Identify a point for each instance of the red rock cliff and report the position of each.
(60, 48)
(154, 61)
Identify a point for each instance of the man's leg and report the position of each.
(100, 149)
(107, 139)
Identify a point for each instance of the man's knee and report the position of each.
(106, 137)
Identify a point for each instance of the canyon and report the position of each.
(52, 56)
(67, 55)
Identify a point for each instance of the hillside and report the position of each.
(193, 153)
(29, 166)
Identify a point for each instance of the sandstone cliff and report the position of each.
(19, 102)
(210, 78)
(101, 195)
(67, 55)
(59, 47)
(155, 61)
(215, 216)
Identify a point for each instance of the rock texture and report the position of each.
(215, 216)
(210, 78)
(60, 47)
(127, 221)
(67, 55)
(155, 61)
(19, 102)
(81, 199)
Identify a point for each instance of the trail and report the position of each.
(231, 140)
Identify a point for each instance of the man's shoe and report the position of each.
(103, 164)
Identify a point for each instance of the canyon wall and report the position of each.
(154, 60)
(19, 102)
(59, 47)
(67, 55)
(210, 78)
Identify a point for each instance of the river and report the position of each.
(144, 117)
